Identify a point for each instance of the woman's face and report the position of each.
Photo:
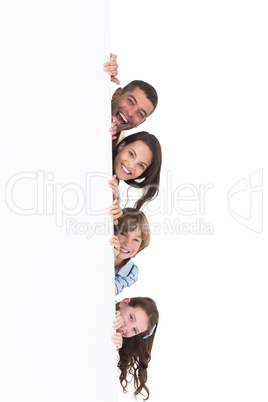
(132, 160)
(135, 320)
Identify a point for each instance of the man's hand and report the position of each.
(111, 67)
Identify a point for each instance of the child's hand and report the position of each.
(116, 245)
(118, 322)
(113, 129)
(112, 68)
(116, 212)
(117, 339)
(113, 183)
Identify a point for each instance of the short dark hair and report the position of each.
(148, 89)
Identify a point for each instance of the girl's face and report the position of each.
(132, 160)
(129, 243)
(135, 320)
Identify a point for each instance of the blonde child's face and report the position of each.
(130, 243)
(135, 320)
(132, 160)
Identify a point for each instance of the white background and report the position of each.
(56, 287)
(208, 62)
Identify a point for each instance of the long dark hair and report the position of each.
(135, 354)
(149, 180)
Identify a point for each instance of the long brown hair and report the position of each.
(135, 354)
(151, 176)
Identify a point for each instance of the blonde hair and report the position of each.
(133, 219)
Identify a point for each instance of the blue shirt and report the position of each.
(126, 276)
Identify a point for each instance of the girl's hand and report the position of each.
(116, 212)
(118, 322)
(117, 340)
(116, 245)
(113, 183)
(113, 129)
(111, 67)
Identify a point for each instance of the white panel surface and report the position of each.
(56, 274)
(206, 265)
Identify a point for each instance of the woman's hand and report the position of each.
(116, 245)
(116, 212)
(113, 183)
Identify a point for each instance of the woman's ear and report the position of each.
(121, 146)
(124, 303)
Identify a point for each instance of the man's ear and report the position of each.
(117, 93)
(124, 303)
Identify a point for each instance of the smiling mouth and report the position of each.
(124, 251)
(121, 118)
(124, 169)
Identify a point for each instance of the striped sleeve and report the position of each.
(122, 282)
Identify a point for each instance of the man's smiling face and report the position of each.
(130, 109)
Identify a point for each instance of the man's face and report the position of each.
(131, 109)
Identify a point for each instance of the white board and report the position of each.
(206, 265)
(56, 277)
